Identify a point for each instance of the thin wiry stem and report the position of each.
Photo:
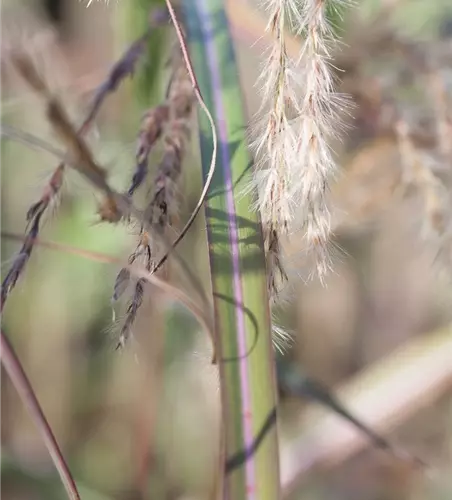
(22, 385)
(31, 141)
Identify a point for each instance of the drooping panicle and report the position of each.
(299, 115)
(152, 126)
(168, 123)
(318, 121)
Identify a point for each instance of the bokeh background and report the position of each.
(143, 423)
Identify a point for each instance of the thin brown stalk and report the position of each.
(22, 385)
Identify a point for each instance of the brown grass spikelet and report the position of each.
(152, 126)
(160, 120)
(276, 273)
(141, 253)
(168, 173)
(168, 122)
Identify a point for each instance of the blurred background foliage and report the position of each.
(143, 423)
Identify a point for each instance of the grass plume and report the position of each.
(299, 114)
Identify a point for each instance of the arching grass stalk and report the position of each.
(242, 319)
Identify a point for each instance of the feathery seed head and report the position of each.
(282, 339)
(299, 115)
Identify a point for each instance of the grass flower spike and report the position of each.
(275, 144)
(169, 123)
(300, 113)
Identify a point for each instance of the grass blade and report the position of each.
(242, 318)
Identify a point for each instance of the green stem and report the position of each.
(242, 319)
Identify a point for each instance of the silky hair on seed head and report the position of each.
(299, 115)
(90, 2)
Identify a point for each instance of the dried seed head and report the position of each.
(282, 339)
(121, 284)
(131, 313)
(21, 259)
(169, 170)
(276, 274)
(169, 121)
(299, 114)
(50, 192)
(152, 126)
(177, 134)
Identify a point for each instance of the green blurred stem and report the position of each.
(242, 319)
